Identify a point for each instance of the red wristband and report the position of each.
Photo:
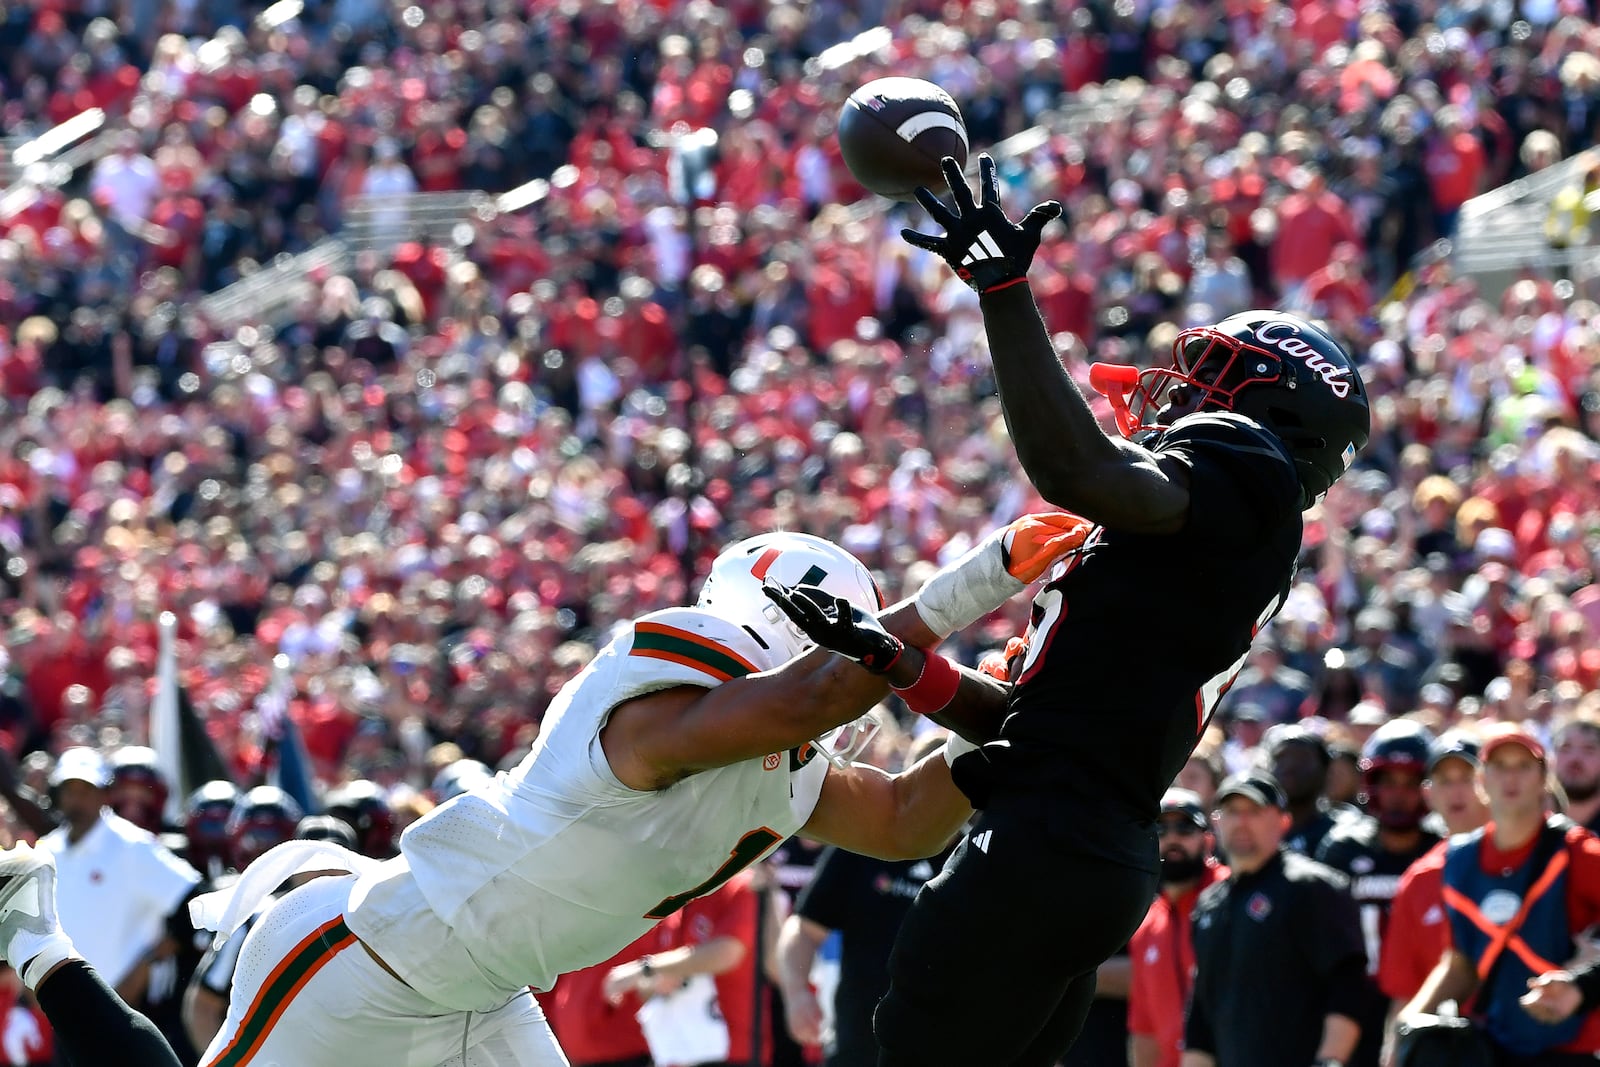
(1004, 285)
(934, 688)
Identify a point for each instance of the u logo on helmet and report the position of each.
(1285, 337)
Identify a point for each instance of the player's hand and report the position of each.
(1033, 543)
(1552, 997)
(997, 665)
(985, 248)
(837, 625)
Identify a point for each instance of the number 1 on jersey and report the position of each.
(746, 852)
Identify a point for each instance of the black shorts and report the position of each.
(995, 962)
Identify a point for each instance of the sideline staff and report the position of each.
(1281, 930)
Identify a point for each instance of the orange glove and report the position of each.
(1034, 543)
(997, 665)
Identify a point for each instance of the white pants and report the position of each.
(306, 994)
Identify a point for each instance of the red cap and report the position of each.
(1511, 734)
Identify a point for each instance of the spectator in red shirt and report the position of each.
(1161, 953)
(713, 935)
(594, 1030)
(1338, 291)
(1455, 163)
(1311, 223)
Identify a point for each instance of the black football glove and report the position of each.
(986, 250)
(837, 625)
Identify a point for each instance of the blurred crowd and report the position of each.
(437, 483)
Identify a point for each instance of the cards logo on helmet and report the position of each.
(1285, 337)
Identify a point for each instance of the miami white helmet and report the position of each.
(733, 588)
(732, 591)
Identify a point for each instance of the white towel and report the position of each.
(226, 910)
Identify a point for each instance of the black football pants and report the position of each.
(994, 966)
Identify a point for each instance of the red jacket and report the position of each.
(1161, 959)
(731, 911)
(1418, 931)
(590, 1029)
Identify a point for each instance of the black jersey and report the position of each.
(1135, 637)
(1276, 951)
(1352, 848)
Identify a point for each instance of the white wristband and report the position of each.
(968, 589)
(39, 954)
(956, 746)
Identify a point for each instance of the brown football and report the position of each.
(894, 131)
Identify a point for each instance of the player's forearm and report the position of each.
(818, 692)
(797, 951)
(1056, 436)
(929, 809)
(1340, 1033)
(978, 708)
(903, 621)
(1192, 1058)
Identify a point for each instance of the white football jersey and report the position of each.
(556, 865)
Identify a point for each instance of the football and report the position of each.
(894, 131)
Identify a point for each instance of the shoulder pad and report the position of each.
(687, 646)
(1222, 428)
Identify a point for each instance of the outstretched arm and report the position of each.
(891, 816)
(1069, 459)
(658, 739)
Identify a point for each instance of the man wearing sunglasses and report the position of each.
(1161, 953)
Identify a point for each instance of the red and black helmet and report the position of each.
(1277, 369)
(138, 790)
(264, 817)
(205, 824)
(363, 806)
(1400, 744)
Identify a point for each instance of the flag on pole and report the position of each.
(289, 766)
(166, 731)
(184, 751)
